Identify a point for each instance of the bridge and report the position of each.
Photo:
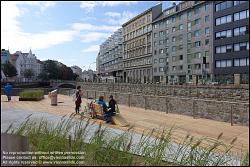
(63, 84)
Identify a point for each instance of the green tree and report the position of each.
(28, 73)
(9, 70)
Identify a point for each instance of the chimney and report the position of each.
(174, 4)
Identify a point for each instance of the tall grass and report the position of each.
(103, 148)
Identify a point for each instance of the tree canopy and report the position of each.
(9, 70)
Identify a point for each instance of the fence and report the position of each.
(226, 111)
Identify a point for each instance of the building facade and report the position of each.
(110, 57)
(27, 61)
(182, 38)
(137, 46)
(231, 40)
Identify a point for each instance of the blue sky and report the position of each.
(69, 32)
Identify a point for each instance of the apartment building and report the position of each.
(231, 40)
(137, 46)
(182, 43)
(109, 59)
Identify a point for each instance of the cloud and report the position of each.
(92, 48)
(89, 6)
(120, 18)
(15, 38)
(91, 27)
(113, 14)
(93, 36)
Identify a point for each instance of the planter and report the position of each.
(30, 98)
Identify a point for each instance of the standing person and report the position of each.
(78, 99)
(112, 104)
(8, 91)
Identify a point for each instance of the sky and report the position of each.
(66, 31)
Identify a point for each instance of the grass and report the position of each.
(31, 94)
(101, 148)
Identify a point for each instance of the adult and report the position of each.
(107, 114)
(112, 104)
(8, 91)
(78, 99)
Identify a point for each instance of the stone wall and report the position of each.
(221, 93)
(190, 106)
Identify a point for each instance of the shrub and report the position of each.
(31, 94)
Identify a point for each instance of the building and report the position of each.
(88, 76)
(27, 61)
(231, 40)
(109, 60)
(5, 57)
(137, 46)
(77, 70)
(182, 37)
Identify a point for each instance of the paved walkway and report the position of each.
(145, 120)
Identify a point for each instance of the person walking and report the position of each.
(78, 99)
(8, 91)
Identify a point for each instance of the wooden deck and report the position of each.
(142, 120)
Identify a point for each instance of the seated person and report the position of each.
(112, 104)
(107, 114)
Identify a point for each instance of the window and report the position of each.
(181, 38)
(241, 62)
(197, 44)
(223, 20)
(155, 26)
(155, 35)
(189, 35)
(174, 68)
(206, 53)
(223, 5)
(206, 19)
(241, 15)
(189, 26)
(173, 19)
(166, 49)
(223, 34)
(167, 40)
(180, 16)
(241, 46)
(155, 61)
(181, 26)
(197, 66)
(239, 2)
(197, 33)
(206, 41)
(155, 43)
(197, 55)
(181, 57)
(161, 51)
(155, 69)
(197, 21)
(173, 39)
(189, 14)
(161, 33)
(174, 58)
(180, 67)
(166, 59)
(155, 52)
(240, 31)
(161, 60)
(167, 31)
(173, 29)
(173, 48)
(206, 6)
(223, 49)
(161, 69)
(196, 11)
(207, 30)
(161, 42)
